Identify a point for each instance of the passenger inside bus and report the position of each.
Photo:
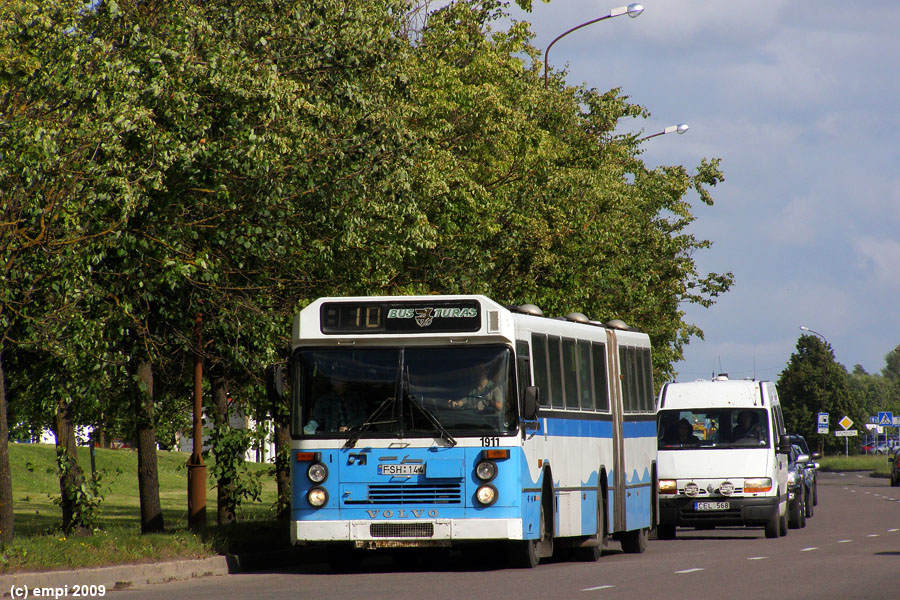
(339, 409)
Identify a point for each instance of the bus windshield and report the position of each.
(712, 428)
(421, 391)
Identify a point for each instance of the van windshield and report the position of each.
(713, 428)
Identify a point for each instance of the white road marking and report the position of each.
(599, 587)
(844, 541)
(688, 571)
(810, 549)
(758, 558)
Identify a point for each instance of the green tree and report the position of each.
(814, 382)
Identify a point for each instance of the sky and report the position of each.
(799, 100)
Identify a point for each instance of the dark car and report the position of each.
(799, 488)
(812, 470)
(895, 467)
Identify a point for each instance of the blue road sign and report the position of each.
(886, 418)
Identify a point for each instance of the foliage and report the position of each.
(235, 159)
(814, 382)
(82, 493)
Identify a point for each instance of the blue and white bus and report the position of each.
(445, 420)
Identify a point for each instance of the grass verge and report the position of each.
(39, 543)
(876, 463)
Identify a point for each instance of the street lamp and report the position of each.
(632, 10)
(680, 129)
(824, 382)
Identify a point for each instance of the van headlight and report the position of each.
(486, 495)
(757, 485)
(668, 486)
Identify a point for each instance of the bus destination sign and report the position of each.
(400, 317)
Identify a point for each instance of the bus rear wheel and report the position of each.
(635, 542)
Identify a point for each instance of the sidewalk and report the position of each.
(61, 583)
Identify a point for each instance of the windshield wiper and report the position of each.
(445, 435)
(370, 420)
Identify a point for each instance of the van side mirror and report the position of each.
(530, 402)
(784, 444)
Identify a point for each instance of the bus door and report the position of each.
(615, 403)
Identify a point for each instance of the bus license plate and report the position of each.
(401, 469)
(712, 505)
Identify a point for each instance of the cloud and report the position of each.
(879, 259)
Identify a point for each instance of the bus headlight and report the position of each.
(317, 472)
(486, 495)
(486, 470)
(317, 497)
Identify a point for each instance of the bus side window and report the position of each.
(570, 373)
(601, 383)
(523, 366)
(554, 362)
(584, 376)
(541, 379)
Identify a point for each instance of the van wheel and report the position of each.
(665, 531)
(772, 526)
(783, 525)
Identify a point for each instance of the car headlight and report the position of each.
(317, 497)
(317, 472)
(486, 470)
(486, 495)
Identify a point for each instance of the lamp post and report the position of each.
(632, 10)
(680, 129)
(824, 381)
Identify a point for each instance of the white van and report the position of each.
(723, 456)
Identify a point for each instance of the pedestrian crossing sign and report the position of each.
(886, 418)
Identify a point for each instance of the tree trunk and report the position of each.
(6, 497)
(281, 419)
(70, 474)
(226, 501)
(148, 476)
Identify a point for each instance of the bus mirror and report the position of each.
(275, 381)
(530, 402)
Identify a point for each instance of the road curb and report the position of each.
(117, 577)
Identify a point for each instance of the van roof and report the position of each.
(724, 393)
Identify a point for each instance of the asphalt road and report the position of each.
(849, 549)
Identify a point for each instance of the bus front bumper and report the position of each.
(413, 532)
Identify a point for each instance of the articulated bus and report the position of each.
(422, 421)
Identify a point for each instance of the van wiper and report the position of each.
(370, 420)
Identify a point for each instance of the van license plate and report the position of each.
(712, 505)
